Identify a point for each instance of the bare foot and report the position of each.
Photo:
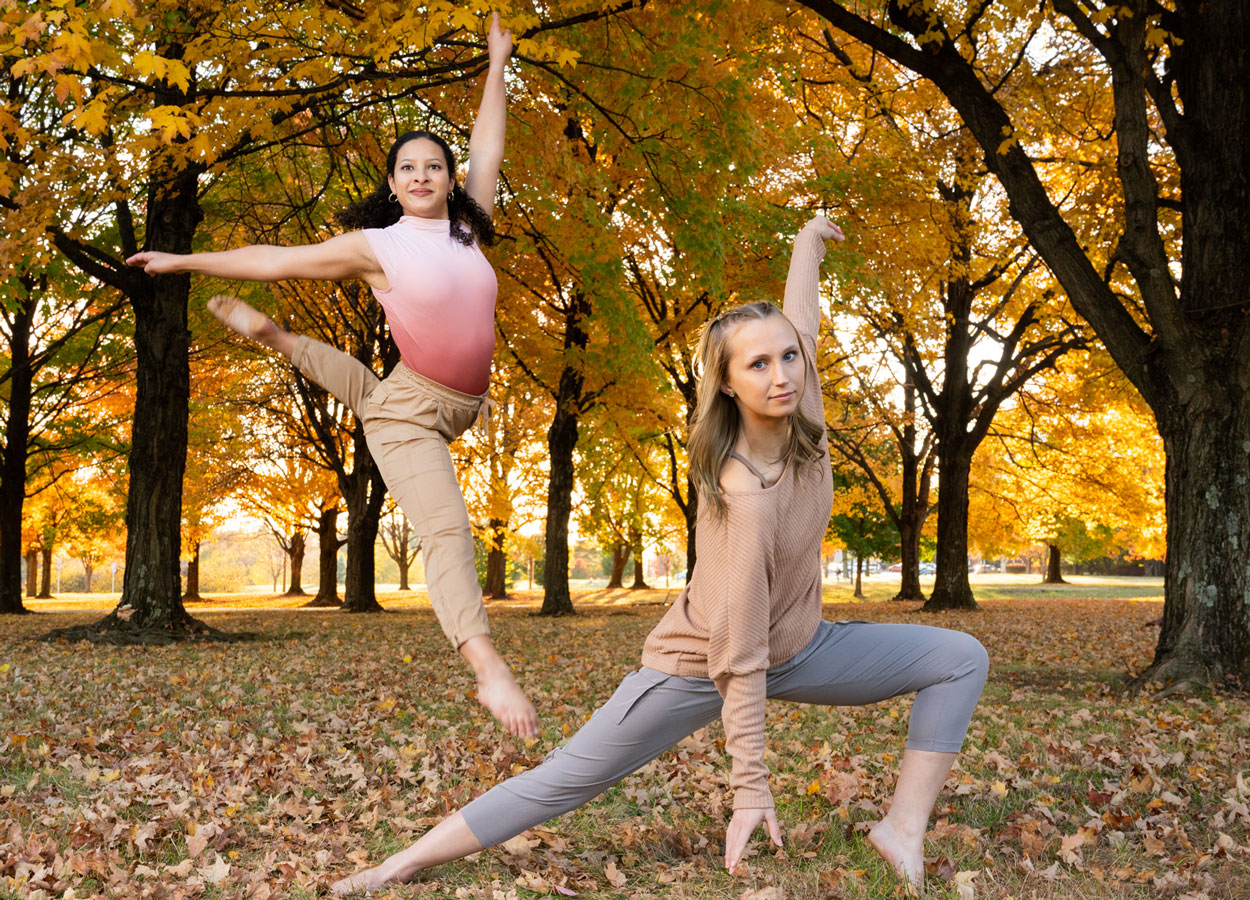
(905, 856)
(249, 322)
(500, 694)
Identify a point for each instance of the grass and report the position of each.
(259, 769)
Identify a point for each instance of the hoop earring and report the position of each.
(394, 199)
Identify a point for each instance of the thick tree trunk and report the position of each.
(152, 583)
(1206, 619)
(32, 573)
(951, 589)
(859, 577)
(297, 547)
(88, 570)
(193, 574)
(45, 580)
(1053, 559)
(13, 462)
(327, 559)
(497, 561)
(364, 515)
(620, 554)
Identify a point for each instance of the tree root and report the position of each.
(121, 631)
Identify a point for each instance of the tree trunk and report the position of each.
(45, 582)
(859, 577)
(561, 442)
(327, 559)
(497, 561)
(620, 554)
(404, 563)
(193, 574)
(32, 572)
(297, 546)
(13, 463)
(913, 509)
(1053, 574)
(561, 439)
(364, 515)
(152, 582)
(1206, 619)
(88, 570)
(636, 541)
(951, 589)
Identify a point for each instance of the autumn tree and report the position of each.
(1162, 277)
(1077, 466)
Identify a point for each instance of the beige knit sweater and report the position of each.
(754, 599)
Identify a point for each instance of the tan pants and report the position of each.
(409, 420)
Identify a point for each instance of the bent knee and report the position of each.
(975, 661)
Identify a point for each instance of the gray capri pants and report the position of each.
(845, 664)
(409, 420)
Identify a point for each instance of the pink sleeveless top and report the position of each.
(441, 302)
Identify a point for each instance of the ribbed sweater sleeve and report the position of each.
(737, 652)
(802, 303)
(802, 307)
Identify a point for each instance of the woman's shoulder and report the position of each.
(735, 477)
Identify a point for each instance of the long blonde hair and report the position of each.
(714, 429)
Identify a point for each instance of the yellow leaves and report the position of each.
(4, 668)
(117, 8)
(1009, 141)
(465, 18)
(93, 117)
(173, 71)
(173, 122)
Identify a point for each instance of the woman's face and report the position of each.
(421, 181)
(765, 370)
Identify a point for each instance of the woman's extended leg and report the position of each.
(648, 713)
(853, 663)
(421, 478)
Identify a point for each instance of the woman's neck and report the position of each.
(763, 440)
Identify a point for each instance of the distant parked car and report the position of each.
(897, 567)
(928, 568)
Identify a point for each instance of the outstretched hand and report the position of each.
(741, 827)
(825, 229)
(498, 41)
(154, 262)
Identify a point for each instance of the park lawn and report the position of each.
(268, 767)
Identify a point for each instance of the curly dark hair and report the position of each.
(469, 221)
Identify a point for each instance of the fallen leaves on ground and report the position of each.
(262, 768)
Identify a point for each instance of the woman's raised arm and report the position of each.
(802, 302)
(337, 259)
(486, 143)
